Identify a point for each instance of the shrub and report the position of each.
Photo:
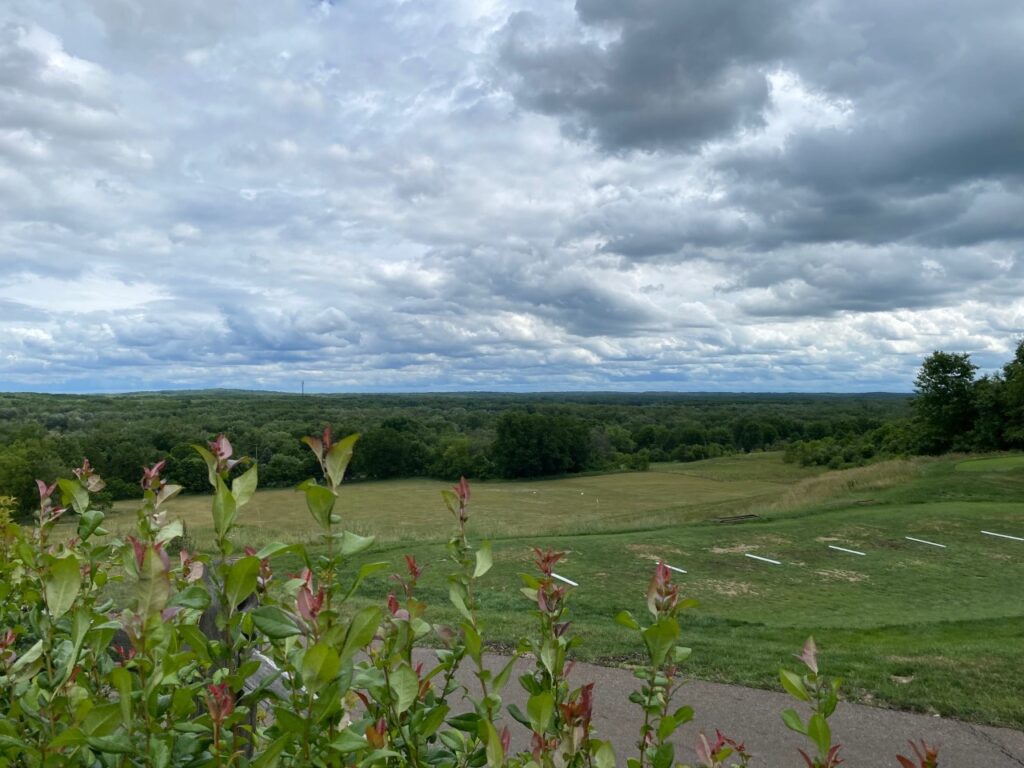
(216, 659)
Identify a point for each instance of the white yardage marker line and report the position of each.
(924, 541)
(844, 549)
(673, 568)
(570, 582)
(762, 559)
(1003, 535)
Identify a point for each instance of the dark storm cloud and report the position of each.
(678, 73)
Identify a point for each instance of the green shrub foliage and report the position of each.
(219, 659)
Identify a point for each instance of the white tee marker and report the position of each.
(673, 568)
(844, 549)
(570, 582)
(1003, 535)
(924, 541)
(762, 559)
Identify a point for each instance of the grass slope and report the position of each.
(908, 625)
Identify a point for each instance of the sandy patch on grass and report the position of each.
(646, 552)
(836, 574)
(827, 539)
(737, 549)
(728, 588)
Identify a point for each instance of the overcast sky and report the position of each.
(528, 195)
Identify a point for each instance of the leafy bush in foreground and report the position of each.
(216, 659)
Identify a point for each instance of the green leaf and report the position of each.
(211, 463)
(90, 522)
(118, 744)
(271, 756)
(79, 629)
(495, 753)
(72, 492)
(169, 532)
(70, 737)
(667, 727)
(353, 544)
(455, 592)
(484, 560)
(793, 722)
(432, 721)
(160, 753)
(360, 631)
(275, 548)
(819, 732)
(63, 583)
(794, 685)
(604, 755)
(274, 623)
(659, 638)
(195, 597)
(121, 679)
(320, 665)
(320, 502)
(102, 720)
(349, 741)
(241, 581)
(501, 679)
(663, 755)
(225, 510)
(244, 486)
(405, 687)
(625, 618)
(473, 642)
(153, 587)
(338, 458)
(539, 708)
(27, 660)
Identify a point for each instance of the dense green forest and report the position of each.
(953, 409)
(441, 435)
(484, 435)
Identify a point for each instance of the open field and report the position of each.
(907, 625)
(411, 510)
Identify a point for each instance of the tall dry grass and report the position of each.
(815, 491)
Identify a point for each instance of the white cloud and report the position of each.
(227, 194)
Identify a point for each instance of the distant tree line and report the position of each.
(442, 436)
(952, 410)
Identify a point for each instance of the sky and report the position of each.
(436, 195)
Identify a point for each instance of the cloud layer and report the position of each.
(655, 194)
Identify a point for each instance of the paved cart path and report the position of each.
(871, 737)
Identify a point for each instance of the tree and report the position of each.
(537, 444)
(945, 402)
(1012, 400)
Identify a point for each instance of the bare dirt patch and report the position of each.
(728, 588)
(836, 574)
(736, 549)
(645, 552)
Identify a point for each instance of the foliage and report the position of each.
(215, 659)
(440, 435)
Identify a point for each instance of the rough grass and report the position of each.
(410, 510)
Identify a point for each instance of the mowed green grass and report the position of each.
(907, 625)
(995, 464)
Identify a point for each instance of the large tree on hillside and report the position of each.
(1013, 399)
(945, 404)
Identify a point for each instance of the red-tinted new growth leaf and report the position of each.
(809, 655)
(151, 476)
(220, 702)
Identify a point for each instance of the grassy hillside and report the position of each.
(908, 625)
